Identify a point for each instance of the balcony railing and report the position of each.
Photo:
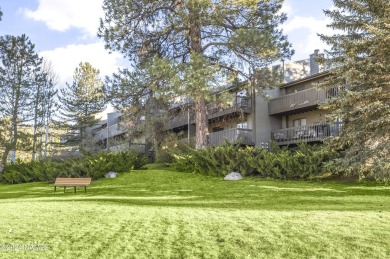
(307, 133)
(180, 120)
(235, 135)
(240, 104)
(112, 131)
(302, 99)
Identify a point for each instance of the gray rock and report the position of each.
(233, 176)
(110, 175)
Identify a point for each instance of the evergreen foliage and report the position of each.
(303, 162)
(19, 72)
(360, 57)
(94, 165)
(82, 100)
(44, 107)
(192, 48)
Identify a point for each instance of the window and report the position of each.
(299, 125)
(243, 125)
(299, 122)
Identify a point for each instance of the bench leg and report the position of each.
(85, 189)
(55, 188)
(64, 188)
(75, 189)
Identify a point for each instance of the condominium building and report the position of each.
(287, 114)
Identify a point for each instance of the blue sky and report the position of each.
(64, 31)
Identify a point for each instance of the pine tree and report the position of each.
(194, 47)
(360, 57)
(82, 100)
(20, 64)
(43, 107)
(49, 106)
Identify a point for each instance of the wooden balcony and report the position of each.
(112, 131)
(180, 120)
(307, 133)
(301, 100)
(235, 135)
(240, 104)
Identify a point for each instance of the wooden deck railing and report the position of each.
(235, 135)
(240, 104)
(302, 99)
(112, 131)
(307, 133)
(179, 120)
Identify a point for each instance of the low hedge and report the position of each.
(95, 166)
(302, 162)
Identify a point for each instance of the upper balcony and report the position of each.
(180, 120)
(301, 100)
(112, 131)
(240, 104)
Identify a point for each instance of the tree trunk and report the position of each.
(201, 121)
(201, 118)
(34, 144)
(46, 140)
(4, 159)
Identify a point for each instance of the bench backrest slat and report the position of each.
(73, 181)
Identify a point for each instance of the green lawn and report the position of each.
(158, 213)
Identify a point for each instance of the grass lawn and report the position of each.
(158, 213)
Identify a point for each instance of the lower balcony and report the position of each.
(308, 133)
(235, 135)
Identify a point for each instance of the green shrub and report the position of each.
(302, 162)
(95, 166)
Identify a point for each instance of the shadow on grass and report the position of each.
(174, 189)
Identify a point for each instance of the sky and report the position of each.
(65, 31)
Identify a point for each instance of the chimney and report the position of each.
(314, 67)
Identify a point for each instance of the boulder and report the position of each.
(110, 175)
(233, 176)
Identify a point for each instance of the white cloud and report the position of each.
(287, 9)
(308, 22)
(61, 15)
(66, 59)
(303, 30)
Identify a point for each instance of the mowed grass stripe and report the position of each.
(165, 214)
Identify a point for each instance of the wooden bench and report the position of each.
(72, 182)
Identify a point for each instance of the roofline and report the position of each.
(305, 79)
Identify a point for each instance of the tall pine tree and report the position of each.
(194, 46)
(43, 107)
(82, 100)
(360, 57)
(20, 64)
